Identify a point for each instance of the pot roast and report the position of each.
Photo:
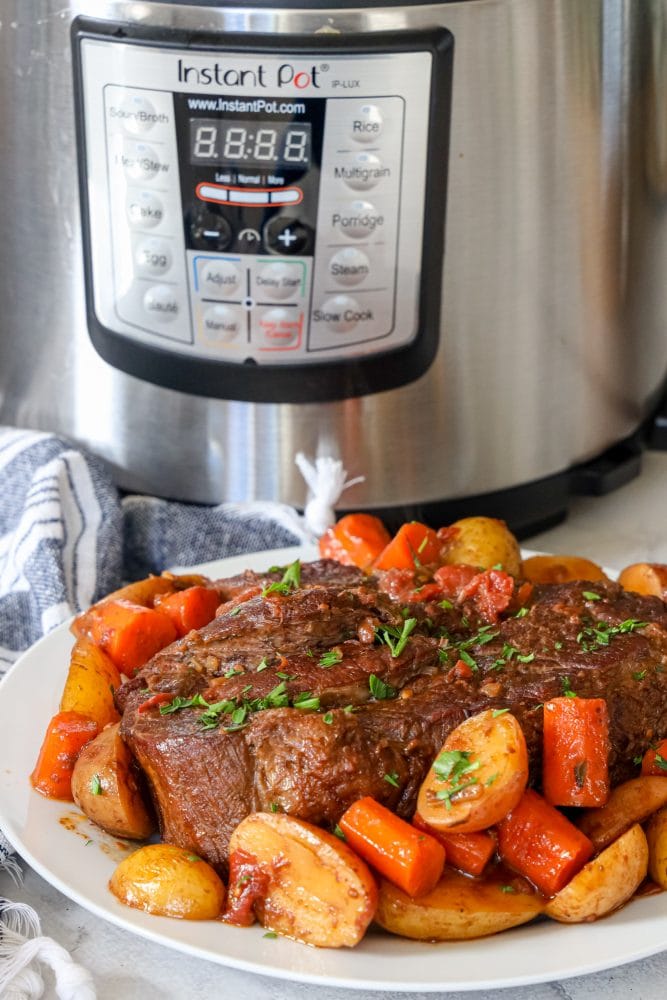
(306, 698)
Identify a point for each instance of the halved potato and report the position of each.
(656, 835)
(459, 907)
(483, 542)
(170, 882)
(629, 803)
(605, 883)
(645, 578)
(313, 888)
(105, 787)
(91, 681)
(560, 569)
(478, 777)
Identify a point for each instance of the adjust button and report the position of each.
(161, 303)
(152, 257)
(222, 324)
(285, 235)
(219, 279)
(341, 313)
(349, 267)
(279, 281)
(366, 124)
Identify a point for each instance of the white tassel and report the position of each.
(21, 944)
(326, 479)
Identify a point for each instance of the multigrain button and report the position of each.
(221, 324)
(219, 279)
(358, 219)
(152, 257)
(361, 172)
(349, 267)
(279, 281)
(161, 303)
(341, 313)
(366, 124)
(144, 209)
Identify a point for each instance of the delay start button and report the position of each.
(279, 281)
(341, 313)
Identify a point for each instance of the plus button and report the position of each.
(284, 234)
(287, 237)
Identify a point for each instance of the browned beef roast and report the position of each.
(325, 640)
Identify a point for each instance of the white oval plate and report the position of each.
(78, 860)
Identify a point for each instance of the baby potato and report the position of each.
(105, 788)
(629, 803)
(313, 888)
(605, 883)
(91, 681)
(656, 835)
(459, 908)
(560, 569)
(478, 777)
(170, 882)
(483, 542)
(645, 578)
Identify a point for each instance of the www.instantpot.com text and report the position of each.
(258, 104)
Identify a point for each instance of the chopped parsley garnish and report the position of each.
(446, 605)
(330, 658)
(291, 580)
(521, 613)
(177, 703)
(660, 762)
(394, 637)
(306, 700)
(391, 778)
(639, 675)
(262, 665)
(239, 709)
(455, 767)
(487, 633)
(507, 888)
(275, 807)
(327, 718)
(235, 611)
(638, 759)
(95, 785)
(498, 711)
(567, 690)
(596, 635)
(378, 689)
(270, 934)
(590, 595)
(285, 677)
(558, 645)
(234, 672)
(192, 857)
(349, 709)
(338, 832)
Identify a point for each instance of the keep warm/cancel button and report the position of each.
(341, 313)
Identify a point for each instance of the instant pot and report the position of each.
(394, 234)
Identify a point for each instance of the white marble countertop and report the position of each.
(624, 527)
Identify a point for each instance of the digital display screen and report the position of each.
(250, 143)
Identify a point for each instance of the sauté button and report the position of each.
(161, 303)
(366, 124)
(349, 267)
(221, 324)
(361, 172)
(219, 279)
(286, 235)
(144, 209)
(341, 313)
(208, 229)
(152, 257)
(279, 281)
(358, 219)
(141, 162)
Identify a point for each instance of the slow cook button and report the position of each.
(152, 257)
(221, 324)
(144, 209)
(349, 267)
(361, 172)
(279, 281)
(161, 303)
(341, 313)
(219, 279)
(366, 124)
(358, 220)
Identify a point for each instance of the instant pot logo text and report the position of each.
(285, 75)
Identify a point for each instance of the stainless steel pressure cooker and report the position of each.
(397, 234)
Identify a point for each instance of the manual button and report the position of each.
(341, 313)
(221, 324)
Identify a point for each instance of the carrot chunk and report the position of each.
(355, 540)
(540, 843)
(654, 762)
(413, 545)
(189, 609)
(408, 857)
(469, 852)
(575, 768)
(66, 735)
(129, 633)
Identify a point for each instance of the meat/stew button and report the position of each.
(342, 313)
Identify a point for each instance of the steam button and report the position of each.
(219, 279)
(366, 124)
(349, 267)
(144, 209)
(152, 257)
(221, 324)
(161, 303)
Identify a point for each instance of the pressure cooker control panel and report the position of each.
(252, 215)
